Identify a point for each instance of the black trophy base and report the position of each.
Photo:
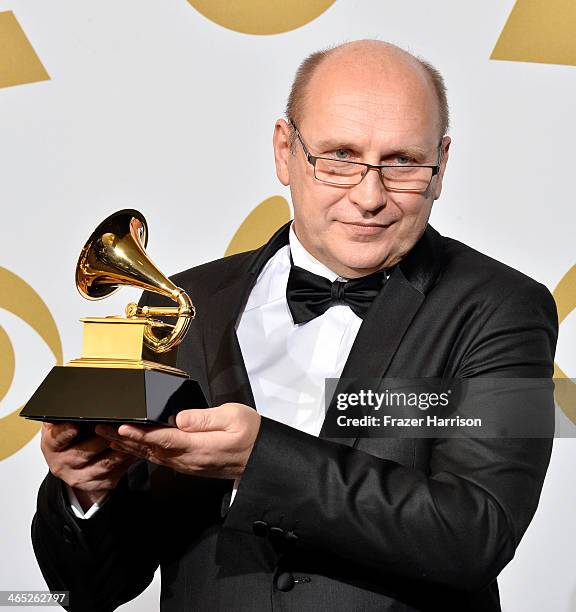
(112, 395)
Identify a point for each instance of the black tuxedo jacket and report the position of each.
(320, 524)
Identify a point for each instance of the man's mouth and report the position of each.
(359, 230)
(361, 224)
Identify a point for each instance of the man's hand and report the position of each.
(87, 465)
(213, 442)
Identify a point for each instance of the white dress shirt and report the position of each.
(287, 363)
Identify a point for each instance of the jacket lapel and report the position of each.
(389, 317)
(378, 338)
(227, 377)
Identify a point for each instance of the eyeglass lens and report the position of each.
(401, 178)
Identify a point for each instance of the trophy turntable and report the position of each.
(127, 372)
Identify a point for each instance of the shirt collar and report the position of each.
(303, 259)
(271, 283)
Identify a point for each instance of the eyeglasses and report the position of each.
(395, 177)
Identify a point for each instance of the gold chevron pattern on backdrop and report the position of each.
(19, 63)
(261, 16)
(541, 31)
(565, 296)
(259, 225)
(21, 300)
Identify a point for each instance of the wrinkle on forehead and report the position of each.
(368, 108)
(370, 84)
(362, 116)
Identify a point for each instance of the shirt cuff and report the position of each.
(234, 489)
(77, 508)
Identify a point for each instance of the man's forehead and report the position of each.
(356, 115)
(373, 83)
(370, 82)
(372, 104)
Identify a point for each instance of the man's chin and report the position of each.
(358, 264)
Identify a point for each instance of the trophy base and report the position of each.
(113, 395)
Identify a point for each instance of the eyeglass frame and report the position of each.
(313, 158)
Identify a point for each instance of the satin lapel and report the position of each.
(389, 317)
(227, 376)
(378, 338)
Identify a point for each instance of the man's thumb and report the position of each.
(194, 419)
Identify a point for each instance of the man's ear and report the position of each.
(443, 161)
(282, 152)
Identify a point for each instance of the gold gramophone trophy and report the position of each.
(127, 372)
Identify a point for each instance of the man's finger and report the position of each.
(204, 419)
(85, 451)
(166, 438)
(131, 448)
(110, 432)
(61, 435)
(119, 442)
(109, 461)
(104, 473)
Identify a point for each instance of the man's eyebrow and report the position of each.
(407, 151)
(332, 143)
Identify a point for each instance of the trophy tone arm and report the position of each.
(185, 313)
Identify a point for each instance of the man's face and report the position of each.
(362, 113)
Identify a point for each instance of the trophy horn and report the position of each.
(115, 255)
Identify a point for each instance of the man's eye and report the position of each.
(342, 154)
(402, 160)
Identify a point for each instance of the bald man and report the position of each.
(252, 504)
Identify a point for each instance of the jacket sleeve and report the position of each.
(103, 561)
(456, 525)
(108, 559)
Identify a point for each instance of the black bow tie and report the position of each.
(310, 295)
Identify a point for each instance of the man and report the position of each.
(313, 523)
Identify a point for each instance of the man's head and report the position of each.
(372, 102)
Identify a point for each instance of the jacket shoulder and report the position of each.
(469, 267)
(212, 273)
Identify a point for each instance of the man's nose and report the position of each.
(370, 193)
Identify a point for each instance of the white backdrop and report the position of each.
(151, 105)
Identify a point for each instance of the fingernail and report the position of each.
(127, 432)
(182, 419)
